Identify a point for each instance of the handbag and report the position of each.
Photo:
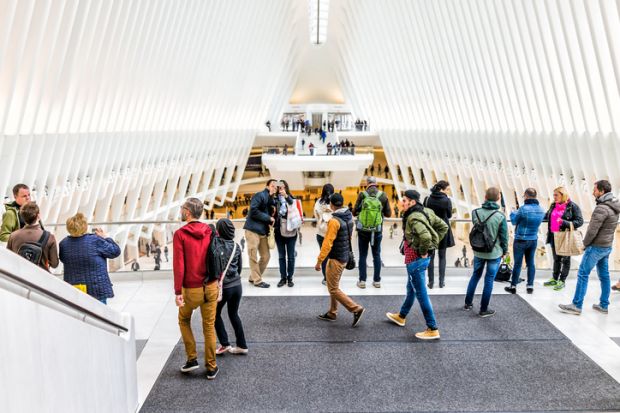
(220, 281)
(293, 218)
(271, 238)
(568, 243)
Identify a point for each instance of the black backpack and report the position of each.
(33, 251)
(480, 237)
(217, 256)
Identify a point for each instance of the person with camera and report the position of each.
(257, 225)
(423, 230)
(84, 256)
(285, 239)
(336, 249)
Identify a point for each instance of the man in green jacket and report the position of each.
(498, 231)
(11, 219)
(423, 230)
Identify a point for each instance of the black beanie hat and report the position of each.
(412, 194)
(336, 200)
(225, 228)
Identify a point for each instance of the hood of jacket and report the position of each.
(372, 190)
(609, 200)
(11, 205)
(196, 230)
(437, 195)
(490, 205)
(344, 214)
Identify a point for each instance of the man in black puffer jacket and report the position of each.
(258, 221)
(336, 248)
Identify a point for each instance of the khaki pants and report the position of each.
(257, 244)
(205, 298)
(333, 272)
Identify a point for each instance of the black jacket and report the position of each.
(372, 190)
(261, 209)
(441, 205)
(341, 246)
(233, 275)
(572, 213)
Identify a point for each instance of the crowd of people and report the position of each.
(207, 262)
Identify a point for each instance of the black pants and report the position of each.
(319, 240)
(561, 264)
(232, 297)
(442, 267)
(286, 255)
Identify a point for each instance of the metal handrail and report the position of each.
(64, 301)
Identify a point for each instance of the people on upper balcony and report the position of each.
(84, 256)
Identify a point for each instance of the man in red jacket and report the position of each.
(192, 286)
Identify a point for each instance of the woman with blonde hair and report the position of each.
(560, 215)
(85, 255)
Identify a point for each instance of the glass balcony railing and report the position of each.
(135, 236)
(279, 150)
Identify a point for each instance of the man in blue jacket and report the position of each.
(259, 219)
(526, 220)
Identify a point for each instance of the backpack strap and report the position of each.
(42, 242)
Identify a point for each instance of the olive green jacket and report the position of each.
(424, 234)
(10, 221)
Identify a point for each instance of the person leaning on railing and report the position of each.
(85, 258)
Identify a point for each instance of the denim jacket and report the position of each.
(527, 220)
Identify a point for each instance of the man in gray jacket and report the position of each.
(598, 241)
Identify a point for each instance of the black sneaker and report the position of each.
(468, 307)
(190, 365)
(511, 289)
(291, 283)
(357, 316)
(530, 290)
(212, 373)
(326, 317)
(262, 284)
(251, 282)
(488, 313)
(281, 283)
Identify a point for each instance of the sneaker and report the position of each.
(212, 373)
(488, 313)
(615, 287)
(530, 290)
(441, 284)
(552, 282)
(429, 286)
(251, 282)
(190, 365)
(326, 317)
(468, 307)
(324, 282)
(570, 309)
(262, 284)
(600, 309)
(376, 284)
(222, 349)
(361, 284)
(357, 316)
(290, 283)
(559, 285)
(428, 334)
(511, 289)
(281, 283)
(396, 319)
(238, 350)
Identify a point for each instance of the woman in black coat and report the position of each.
(441, 205)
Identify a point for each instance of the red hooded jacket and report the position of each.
(190, 244)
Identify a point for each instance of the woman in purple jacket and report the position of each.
(85, 258)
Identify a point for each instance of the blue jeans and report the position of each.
(492, 267)
(319, 240)
(417, 288)
(599, 257)
(522, 248)
(363, 241)
(286, 255)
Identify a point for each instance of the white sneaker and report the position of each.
(238, 350)
(361, 284)
(376, 284)
(222, 349)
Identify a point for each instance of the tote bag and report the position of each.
(293, 217)
(568, 243)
